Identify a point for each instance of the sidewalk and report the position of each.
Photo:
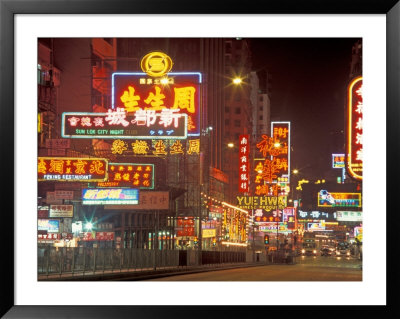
(140, 274)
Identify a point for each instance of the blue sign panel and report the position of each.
(110, 196)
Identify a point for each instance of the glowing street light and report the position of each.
(295, 171)
(237, 81)
(231, 145)
(89, 226)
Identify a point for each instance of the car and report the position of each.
(308, 252)
(343, 252)
(327, 251)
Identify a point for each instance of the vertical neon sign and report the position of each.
(355, 128)
(244, 163)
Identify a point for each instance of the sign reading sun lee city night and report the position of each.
(118, 124)
(72, 169)
(355, 128)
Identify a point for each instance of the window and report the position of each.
(227, 122)
(237, 123)
(227, 109)
(237, 110)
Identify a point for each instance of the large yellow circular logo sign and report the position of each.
(156, 64)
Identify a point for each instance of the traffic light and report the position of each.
(266, 239)
(196, 240)
(214, 242)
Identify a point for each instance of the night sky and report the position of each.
(308, 88)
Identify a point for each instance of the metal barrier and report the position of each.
(85, 260)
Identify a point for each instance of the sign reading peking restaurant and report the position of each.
(355, 128)
(72, 169)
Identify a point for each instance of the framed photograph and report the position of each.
(111, 112)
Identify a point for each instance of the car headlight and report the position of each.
(303, 251)
(348, 253)
(314, 251)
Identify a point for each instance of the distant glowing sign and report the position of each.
(338, 160)
(142, 124)
(260, 215)
(315, 215)
(185, 226)
(130, 175)
(49, 225)
(271, 227)
(178, 92)
(315, 227)
(110, 196)
(352, 216)
(72, 169)
(267, 203)
(156, 64)
(326, 199)
(355, 128)
(244, 151)
(61, 211)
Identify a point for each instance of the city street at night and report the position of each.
(328, 270)
(188, 153)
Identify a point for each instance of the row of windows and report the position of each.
(236, 123)
(238, 110)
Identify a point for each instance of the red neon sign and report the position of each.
(244, 150)
(355, 128)
(72, 169)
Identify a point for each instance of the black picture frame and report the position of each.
(8, 10)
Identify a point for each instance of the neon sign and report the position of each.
(156, 64)
(130, 175)
(110, 196)
(244, 150)
(177, 91)
(326, 199)
(267, 203)
(72, 169)
(338, 160)
(355, 128)
(280, 132)
(157, 147)
(117, 124)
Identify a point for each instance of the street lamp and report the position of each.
(237, 81)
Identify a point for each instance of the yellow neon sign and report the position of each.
(352, 167)
(156, 64)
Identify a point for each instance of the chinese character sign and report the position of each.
(113, 196)
(338, 161)
(244, 151)
(176, 91)
(131, 175)
(280, 132)
(355, 128)
(72, 169)
(118, 123)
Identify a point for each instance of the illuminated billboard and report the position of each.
(110, 196)
(352, 216)
(326, 199)
(61, 211)
(175, 91)
(118, 124)
(72, 169)
(355, 128)
(266, 203)
(338, 160)
(129, 175)
(49, 225)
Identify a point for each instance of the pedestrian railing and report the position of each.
(81, 261)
